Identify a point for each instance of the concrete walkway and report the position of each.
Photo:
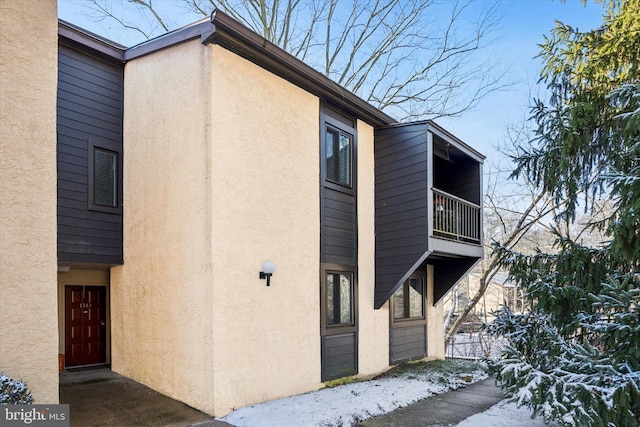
(100, 397)
(442, 410)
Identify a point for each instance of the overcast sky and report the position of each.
(523, 25)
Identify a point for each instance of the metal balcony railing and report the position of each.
(455, 218)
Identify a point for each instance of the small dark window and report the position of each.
(338, 156)
(339, 298)
(105, 178)
(408, 300)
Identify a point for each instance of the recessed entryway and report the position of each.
(83, 317)
(85, 325)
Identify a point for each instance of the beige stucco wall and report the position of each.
(265, 192)
(220, 176)
(373, 333)
(435, 322)
(161, 298)
(28, 297)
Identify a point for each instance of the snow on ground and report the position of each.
(348, 404)
(504, 414)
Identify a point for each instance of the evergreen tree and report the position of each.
(575, 356)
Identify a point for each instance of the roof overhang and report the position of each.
(230, 34)
(88, 40)
(237, 38)
(445, 135)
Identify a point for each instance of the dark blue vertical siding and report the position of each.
(401, 217)
(89, 110)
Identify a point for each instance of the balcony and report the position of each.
(455, 218)
(428, 192)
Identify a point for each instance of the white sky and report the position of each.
(521, 29)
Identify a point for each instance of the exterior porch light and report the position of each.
(268, 268)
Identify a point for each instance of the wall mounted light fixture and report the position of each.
(268, 268)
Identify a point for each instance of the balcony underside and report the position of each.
(447, 271)
(451, 262)
(454, 248)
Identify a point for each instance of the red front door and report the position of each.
(85, 325)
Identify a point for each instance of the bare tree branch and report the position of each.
(411, 58)
(149, 6)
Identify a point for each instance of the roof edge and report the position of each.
(199, 29)
(234, 36)
(433, 127)
(225, 31)
(91, 40)
(445, 134)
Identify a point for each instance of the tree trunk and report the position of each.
(485, 279)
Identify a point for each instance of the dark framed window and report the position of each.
(104, 179)
(338, 156)
(340, 302)
(408, 300)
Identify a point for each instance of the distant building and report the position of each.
(500, 292)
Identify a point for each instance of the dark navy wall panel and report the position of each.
(89, 111)
(401, 194)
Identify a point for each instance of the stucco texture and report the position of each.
(28, 295)
(373, 329)
(435, 323)
(161, 298)
(265, 193)
(221, 174)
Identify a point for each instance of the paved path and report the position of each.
(101, 398)
(442, 410)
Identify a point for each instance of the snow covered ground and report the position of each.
(348, 404)
(504, 414)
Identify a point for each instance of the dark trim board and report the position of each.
(81, 37)
(235, 37)
(338, 248)
(94, 260)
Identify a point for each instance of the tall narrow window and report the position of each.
(103, 179)
(408, 300)
(338, 156)
(339, 299)
(105, 164)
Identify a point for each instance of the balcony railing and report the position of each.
(455, 218)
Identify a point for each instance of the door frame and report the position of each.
(62, 286)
